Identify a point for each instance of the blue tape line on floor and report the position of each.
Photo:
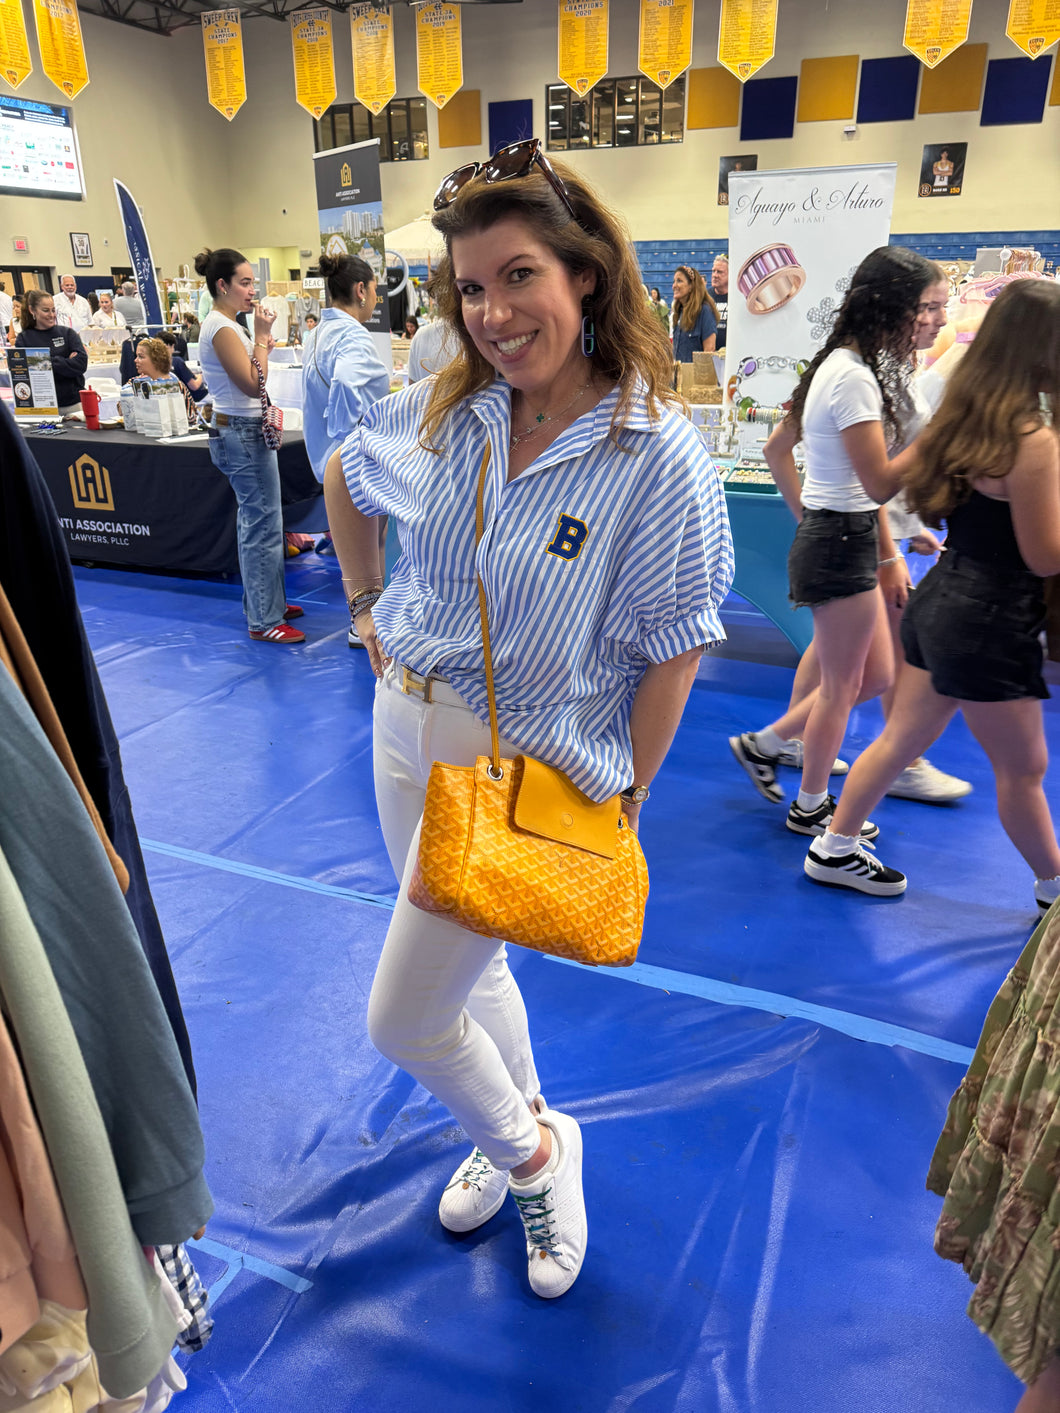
(723, 992)
(266, 875)
(726, 994)
(237, 1260)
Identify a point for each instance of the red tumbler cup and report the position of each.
(90, 407)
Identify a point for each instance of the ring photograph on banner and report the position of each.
(795, 239)
(942, 169)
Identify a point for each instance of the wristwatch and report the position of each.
(635, 794)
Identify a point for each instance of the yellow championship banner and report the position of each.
(582, 43)
(62, 50)
(15, 63)
(314, 60)
(935, 28)
(439, 52)
(222, 42)
(374, 72)
(665, 47)
(747, 36)
(1033, 25)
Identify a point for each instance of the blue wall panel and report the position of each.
(768, 108)
(888, 89)
(1015, 91)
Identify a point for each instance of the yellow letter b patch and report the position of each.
(569, 538)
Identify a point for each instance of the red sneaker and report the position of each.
(282, 633)
(293, 610)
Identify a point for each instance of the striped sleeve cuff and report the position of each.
(699, 630)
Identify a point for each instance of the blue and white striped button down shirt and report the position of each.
(597, 560)
(342, 375)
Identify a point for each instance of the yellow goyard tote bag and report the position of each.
(512, 849)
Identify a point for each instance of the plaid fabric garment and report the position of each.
(193, 1296)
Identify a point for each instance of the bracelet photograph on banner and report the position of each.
(795, 239)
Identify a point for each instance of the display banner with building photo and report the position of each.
(795, 240)
(743, 162)
(942, 169)
(350, 213)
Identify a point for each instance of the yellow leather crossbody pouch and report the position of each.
(513, 849)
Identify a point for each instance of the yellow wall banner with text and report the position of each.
(439, 51)
(935, 28)
(374, 72)
(15, 63)
(62, 50)
(582, 43)
(665, 49)
(1033, 25)
(314, 60)
(222, 42)
(747, 36)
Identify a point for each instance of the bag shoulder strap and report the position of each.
(495, 740)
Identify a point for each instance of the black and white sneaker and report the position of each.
(791, 756)
(858, 870)
(801, 821)
(759, 766)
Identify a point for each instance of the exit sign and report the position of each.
(21, 245)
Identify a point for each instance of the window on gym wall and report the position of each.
(623, 112)
(401, 128)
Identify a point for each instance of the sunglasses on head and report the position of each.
(518, 159)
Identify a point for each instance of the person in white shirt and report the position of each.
(71, 308)
(6, 308)
(107, 317)
(433, 346)
(848, 410)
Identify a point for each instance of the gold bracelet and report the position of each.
(258, 344)
(367, 589)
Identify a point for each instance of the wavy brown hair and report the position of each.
(630, 345)
(687, 311)
(159, 353)
(992, 399)
(878, 317)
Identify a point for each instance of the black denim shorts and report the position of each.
(833, 556)
(976, 630)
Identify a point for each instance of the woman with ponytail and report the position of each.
(852, 410)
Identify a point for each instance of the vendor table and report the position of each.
(285, 385)
(762, 531)
(124, 499)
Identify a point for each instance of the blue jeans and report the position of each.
(239, 452)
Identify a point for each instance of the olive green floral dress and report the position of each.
(997, 1163)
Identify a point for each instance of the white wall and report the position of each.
(249, 183)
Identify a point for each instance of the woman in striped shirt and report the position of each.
(605, 556)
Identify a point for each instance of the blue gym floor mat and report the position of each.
(760, 1237)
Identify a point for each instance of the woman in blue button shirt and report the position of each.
(605, 557)
(694, 314)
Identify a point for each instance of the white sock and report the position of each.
(836, 846)
(1047, 887)
(768, 742)
(810, 802)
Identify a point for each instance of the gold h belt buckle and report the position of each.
(413, 685)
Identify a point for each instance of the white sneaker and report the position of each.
(1045, 893)
(353, 638)
(791, 756)
(922, 781)
(553, 1211)
(475, 1193)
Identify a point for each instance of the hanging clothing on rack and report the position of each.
(127, 1045)
(130, 1325)
(36, 576)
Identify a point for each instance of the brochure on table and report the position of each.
(33, 383)
(795, 239)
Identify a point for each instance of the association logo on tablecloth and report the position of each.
(90, 485)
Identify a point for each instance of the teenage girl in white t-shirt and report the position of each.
(848, 410)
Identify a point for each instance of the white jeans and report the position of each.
(444, 1005)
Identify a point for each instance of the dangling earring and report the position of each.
(588, 336)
